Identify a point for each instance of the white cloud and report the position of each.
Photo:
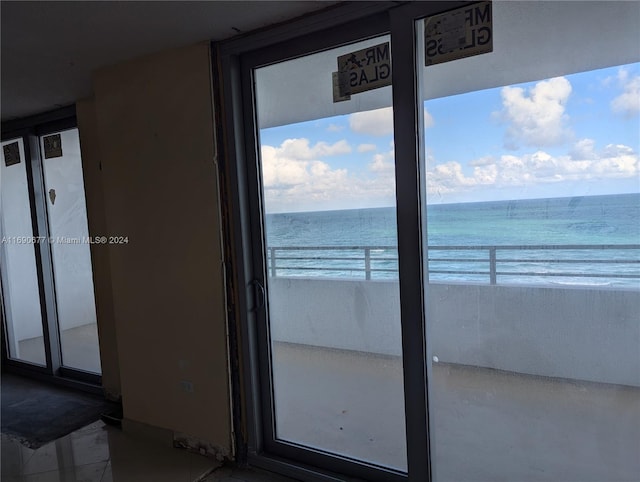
(294, 178)
(537, 117)
(615, 161)
(428, 119)
(323, 149)
(607, 81)
(483, 161)
(627, 103)
(300, 149)
(448, 177)
(335, 128)
(295, 161)
(383, 163)
(367, 147)
(377, 122)
(583, 150)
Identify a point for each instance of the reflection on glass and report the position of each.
(533, 282)
(69, 235)
(20, 293)
(334, 314)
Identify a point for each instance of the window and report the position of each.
(49, 316)
(447, 252)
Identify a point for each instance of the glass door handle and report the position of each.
(259, 294)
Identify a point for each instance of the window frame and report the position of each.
(30, 130)
(234, 62)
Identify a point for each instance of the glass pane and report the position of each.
(533, 246)
(327, 172)
(69, 240)
(20, 293)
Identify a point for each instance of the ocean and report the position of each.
(576, 241)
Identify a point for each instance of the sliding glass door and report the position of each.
(532, 281)
(18, 258)
(70, 256)
(332, 352)
(47, 286)
(438, 267)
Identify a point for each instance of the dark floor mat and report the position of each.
(37, 413)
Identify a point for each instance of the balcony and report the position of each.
(79, 348)
(529, 380)
(488, 424)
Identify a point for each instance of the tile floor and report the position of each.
(100, 453)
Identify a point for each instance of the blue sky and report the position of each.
(567, 136)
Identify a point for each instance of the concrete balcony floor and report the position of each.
(80, 348)
(489, 425)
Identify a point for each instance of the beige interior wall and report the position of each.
(89, 144)
(154, 125)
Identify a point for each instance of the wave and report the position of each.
(580, 282)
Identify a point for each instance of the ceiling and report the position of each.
(49, 49)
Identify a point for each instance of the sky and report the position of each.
(573, 135)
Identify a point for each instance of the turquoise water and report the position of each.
(588, 220)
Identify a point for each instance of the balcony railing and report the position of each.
(566, 264)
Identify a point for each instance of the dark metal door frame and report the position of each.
(236, 61)
(30, 130)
